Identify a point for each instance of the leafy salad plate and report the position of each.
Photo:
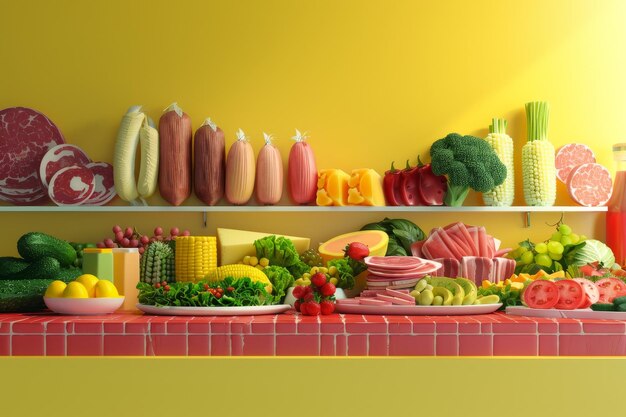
(214, 311)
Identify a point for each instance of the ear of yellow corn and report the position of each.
(240, 271)
(196, 257)
(149, 169)
(538, 169)
(502, 144)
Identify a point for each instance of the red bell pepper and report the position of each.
(391, 186)
(409, 186)
(432, 188)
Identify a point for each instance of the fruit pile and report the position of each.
(306, 278)
(255, 262)
(547, 255)
(316, 298)
(129, 237)
(85, 286)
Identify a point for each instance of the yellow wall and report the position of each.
(371, 81)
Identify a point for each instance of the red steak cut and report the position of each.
(104, 190)
(60, 156)
(71, 186)
(25, 137)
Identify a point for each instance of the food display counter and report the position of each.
(289, 334)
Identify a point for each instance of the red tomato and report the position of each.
(541, 294)
(591, 291)
(571, 294)
(610, 288)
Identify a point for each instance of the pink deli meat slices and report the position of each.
(104, 189)
(374, 302)
(400, 294)
(450, 267)
(25, 137)
(61, 156)
(395, 301)
(569, 157)
(71, 186)
(502, 269)
(394, 262)
(590, 185)
(477, 268)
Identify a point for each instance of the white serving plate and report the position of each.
(417, 310)
(84, 306)
(214, 311)
(582, 313)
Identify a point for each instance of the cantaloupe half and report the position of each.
(376, 241)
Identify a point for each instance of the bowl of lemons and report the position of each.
(87, 295)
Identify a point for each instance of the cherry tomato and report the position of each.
(541, 294)
(157, 285)
(571, 294)
(166, 288)
(610, 288)
(230, 289)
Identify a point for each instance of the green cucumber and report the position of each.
(602, 307)
(23, 295)
(36, 245)
(10, 265)
(45, 267)
(619, 300)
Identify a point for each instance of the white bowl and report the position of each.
(290, 299)
(84, 306)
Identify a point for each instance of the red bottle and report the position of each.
(616, 215)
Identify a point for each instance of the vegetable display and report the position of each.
(149, 168)
(196, 257)
(468, 162)
(228, 292)
(269, 173)
(281, 280)
(175, 155)
(502, 144)
(239, 183)
(209, 163)
(301, 171)
(538, 169)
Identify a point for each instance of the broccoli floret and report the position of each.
(469, 162)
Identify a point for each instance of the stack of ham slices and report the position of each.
(588, 183)
(397, 272)
(465, 251)
(383, 297)
(72, 179)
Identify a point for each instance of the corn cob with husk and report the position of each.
(538, 169)
(155, 263)
(124, 154)
(196, 256)
(502, 144)
(237, 271)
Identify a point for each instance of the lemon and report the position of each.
(106, 288)
(55, 289)
(89, 281)
(75, 290)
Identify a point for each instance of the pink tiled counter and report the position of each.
(293, 334)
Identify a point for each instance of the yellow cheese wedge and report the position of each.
(366, 188)
(332, 187)
(233, 244)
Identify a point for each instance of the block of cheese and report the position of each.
(366, 188)
(332, 187)
(233, 244)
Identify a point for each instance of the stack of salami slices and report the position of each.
(588, 183)
(397, 272)
(72, 179)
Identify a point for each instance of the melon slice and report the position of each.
(375, 240)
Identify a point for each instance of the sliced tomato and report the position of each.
(591, 291)
(571, 294)
(610, 288)
(541, 294)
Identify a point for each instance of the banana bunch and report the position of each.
(442, 291)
